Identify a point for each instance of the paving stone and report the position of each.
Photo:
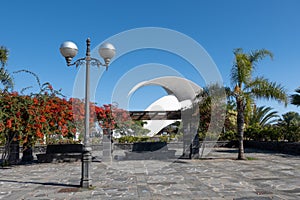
(272, 176)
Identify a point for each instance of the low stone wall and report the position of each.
(292, 148)
(174, 145)
(129, 146)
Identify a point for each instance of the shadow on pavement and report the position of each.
(41, 183)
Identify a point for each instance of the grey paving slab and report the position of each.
(268, 176)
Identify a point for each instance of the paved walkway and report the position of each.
(268, 176)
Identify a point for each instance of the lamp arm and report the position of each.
(93, 62)
(96, 62)
(78, 62)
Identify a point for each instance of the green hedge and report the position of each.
(132, 139)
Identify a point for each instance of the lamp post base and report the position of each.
(86, 181)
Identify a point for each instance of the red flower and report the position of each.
(35, 101)
(39, 133)
(14, 94)
(18, 114)
(9, 123)
(43, 119)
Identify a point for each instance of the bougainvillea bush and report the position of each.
(32, 119)
(35, 118)
(47, 117)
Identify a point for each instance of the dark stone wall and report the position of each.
(292, 148)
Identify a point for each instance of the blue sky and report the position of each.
(33, 30)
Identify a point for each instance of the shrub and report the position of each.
(132, 139)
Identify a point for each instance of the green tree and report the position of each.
(263, 116)
(5, 77)
(246, 88)
(211, 99)
(290, 122)
(290, 118)
(260, 126)
(295, 98)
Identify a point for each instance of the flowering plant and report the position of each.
(32, 118)
(112, 117)
(46, 117)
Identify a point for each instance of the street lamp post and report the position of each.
(69, 50)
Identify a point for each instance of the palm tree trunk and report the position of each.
(240, 128)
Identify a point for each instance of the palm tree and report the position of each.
(295, 98)
(5, 77)
(3, 56)
(290, 122)
(263, 116)
(290, 118)
(246, 88)
(209, 100)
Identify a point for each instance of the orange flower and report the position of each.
(35, 101)
(43, 119)
(9, 123)
(39, 133)
(64, 130)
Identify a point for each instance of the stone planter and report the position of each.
(64, 148)
(107, 148)
(148, 146)
(61, 153)
(14, 155)
(150, 151)
(27, 155)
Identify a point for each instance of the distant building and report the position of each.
(181, 93)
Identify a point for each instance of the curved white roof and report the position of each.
(183, 89)
(181, 92)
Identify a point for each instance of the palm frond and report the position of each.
(295, 98)
(261, 88)
(6, 79)
(270, 118)
(257, 55)
(241, 71)
(263, 116)
(230, 94)
(266, 114)
(213, 90)
(3, 56)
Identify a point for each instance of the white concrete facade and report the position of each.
(181, 94)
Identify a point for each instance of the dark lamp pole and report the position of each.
(69, 50)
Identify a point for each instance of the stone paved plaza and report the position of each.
(263, 176)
